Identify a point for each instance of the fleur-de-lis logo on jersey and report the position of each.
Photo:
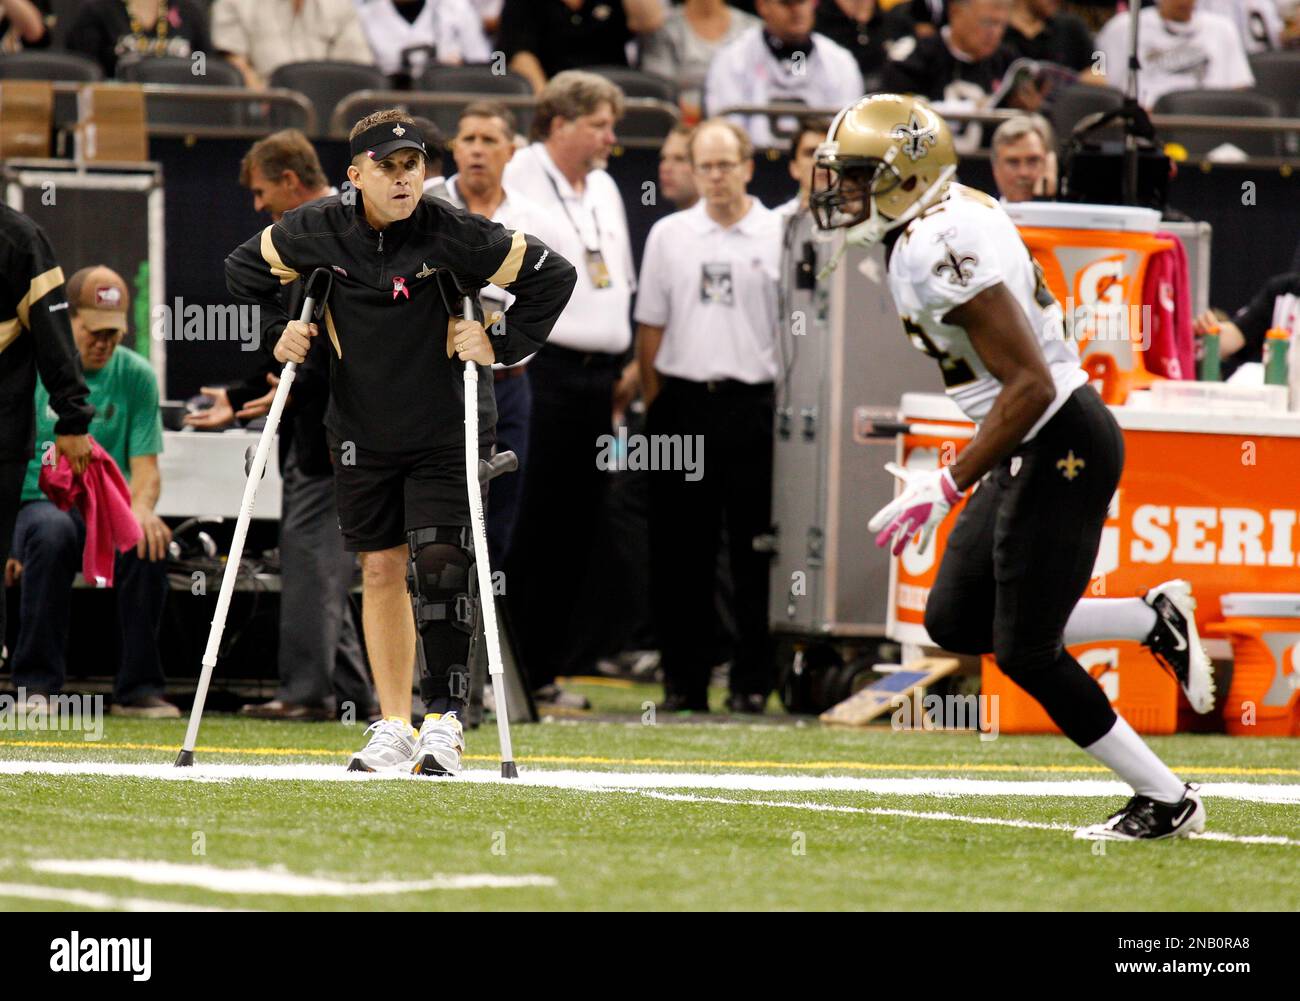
(399, 131)
(916, 136)
(958, 269)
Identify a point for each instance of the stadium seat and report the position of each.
(59, 66)
(1277, 75)
(325, 84)
(474, 80)
(470, 80)
(1221, 104)
(178, 70)
(1077, 102)
(635, 83)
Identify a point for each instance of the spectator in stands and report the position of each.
(48, 543)
(676, 180)
(706, 341)
(928, 16)
(435, 145)
(109, 31)
(811, 134)
(24, 24)
(320, 662)
(259, 36)
(1179, 48)
(690, 37)
(489, 12)
(484, 144)
(1024, 159)
(1040, 30)
(1258, 22)
(962, 63)
(1241, 338)
(407, 35)
(541, 38)
(581, 377)
(866, 29)
(782, 60)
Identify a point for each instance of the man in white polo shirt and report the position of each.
(582, 376)
(781, 60)
(706, 341)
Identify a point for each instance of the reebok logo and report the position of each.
(542, 260)
(102, 955)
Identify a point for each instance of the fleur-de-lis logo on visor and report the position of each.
(399, 131)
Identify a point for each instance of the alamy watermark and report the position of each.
(192, 322)
(84, 713)
(654, 452)
(946, 712)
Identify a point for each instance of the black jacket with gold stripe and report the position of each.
(393, 387)
(35, 336)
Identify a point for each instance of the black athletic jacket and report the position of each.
(392, 387)
(35, 335)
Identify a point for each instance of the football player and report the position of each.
(1046, 459)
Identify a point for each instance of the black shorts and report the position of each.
(1023, 548)
(383, 495)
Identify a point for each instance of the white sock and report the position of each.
(1126, 754)
(1095, 619)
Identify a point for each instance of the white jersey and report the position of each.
(1203, 53)
(446, 31)
(1257, 21)
(954, 250)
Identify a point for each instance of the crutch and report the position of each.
(451, 290)
(317, 292)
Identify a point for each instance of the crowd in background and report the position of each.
(627, 351)
(817, 52)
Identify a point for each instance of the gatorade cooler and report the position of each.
(1265, 633)
(1139, 688)
(1094, 260)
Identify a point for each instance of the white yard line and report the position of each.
(94, 901)
(278, 882)
(597, 780)
(878, 811)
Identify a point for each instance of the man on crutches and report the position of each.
(396, 420)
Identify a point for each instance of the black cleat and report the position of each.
(1146, 819)
(1176, 644)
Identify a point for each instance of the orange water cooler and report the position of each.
(1094, 260)
(1263, 699)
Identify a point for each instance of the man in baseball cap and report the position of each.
(48, 542)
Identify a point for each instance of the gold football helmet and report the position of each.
(886, 158)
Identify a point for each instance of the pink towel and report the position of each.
(1167, 290)
(104, 500)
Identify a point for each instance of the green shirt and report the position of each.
(127, 421)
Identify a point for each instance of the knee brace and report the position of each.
(440, 579)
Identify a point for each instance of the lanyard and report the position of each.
(573, 222)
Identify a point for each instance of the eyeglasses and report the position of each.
(721, 167)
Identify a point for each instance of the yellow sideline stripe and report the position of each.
(586, 759)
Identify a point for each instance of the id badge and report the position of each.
(598, 270)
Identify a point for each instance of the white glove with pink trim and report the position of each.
(928, 495)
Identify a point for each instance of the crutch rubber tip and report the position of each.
(185, 759)
(508, 770)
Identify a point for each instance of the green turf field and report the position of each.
(718, 814)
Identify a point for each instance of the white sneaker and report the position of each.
(1176, 644)
(441, 743)
(392, 745)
